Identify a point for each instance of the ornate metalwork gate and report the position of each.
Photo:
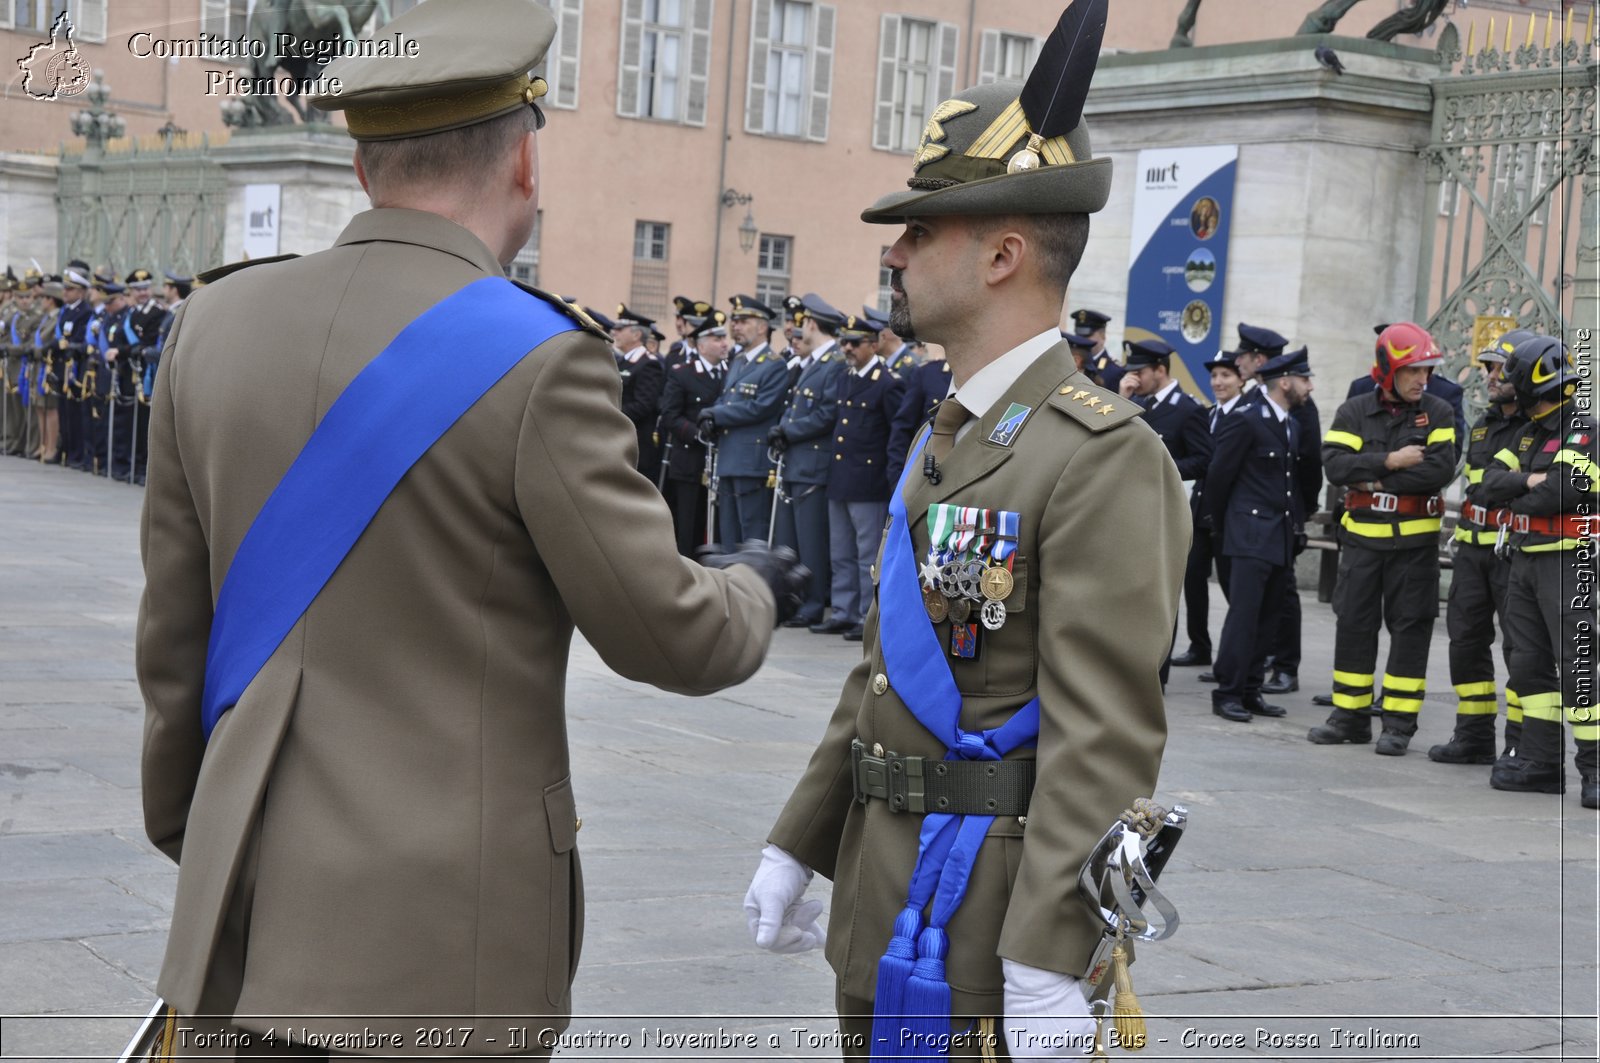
(157, 202)
(1514, 176)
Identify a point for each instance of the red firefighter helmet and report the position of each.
(1400, 345)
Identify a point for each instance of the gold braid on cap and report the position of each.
(997, 141)
(436, 113)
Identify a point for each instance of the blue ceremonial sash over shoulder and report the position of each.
(392, 412)
(911, 1012)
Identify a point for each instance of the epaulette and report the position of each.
(211, 276)
(572, 310)
(1091, 405)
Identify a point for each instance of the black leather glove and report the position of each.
(707, 423)
(1300, 543)
(776, 439)
(780, 566)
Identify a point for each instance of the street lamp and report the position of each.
(747, 228)
(96, 124)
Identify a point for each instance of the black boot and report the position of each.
(1472, 743)
(1521, 775)
(1229, 708)
(1398, 727)
(1257, 706)
(1342, 726)
(1591, 791)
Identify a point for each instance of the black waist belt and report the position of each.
(959, 787)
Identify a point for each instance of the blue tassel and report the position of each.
(927, 999)
(893, 969)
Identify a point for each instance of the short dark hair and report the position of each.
(443, 157)
(1058, 239)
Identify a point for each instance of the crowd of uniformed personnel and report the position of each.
(789, 425)
(78, 358)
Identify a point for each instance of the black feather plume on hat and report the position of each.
(1053, 97)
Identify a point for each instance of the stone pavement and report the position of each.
(1400, 902)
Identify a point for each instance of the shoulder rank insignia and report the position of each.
(1478, 434)
(1092, 406)
(876, 373)
(1422, 420)
(211, 276)
(1010, 424)
(572, 310)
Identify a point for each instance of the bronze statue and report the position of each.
(1324, 18)
(1183, 36)
(1414, 19)
(312, 24)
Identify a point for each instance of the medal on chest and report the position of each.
(967, 575)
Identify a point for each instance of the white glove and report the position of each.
(1046, 1016)
(779, 920)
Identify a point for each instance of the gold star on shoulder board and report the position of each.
(1081, 395)
(1107, 411)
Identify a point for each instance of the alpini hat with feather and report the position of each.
(1008, 149)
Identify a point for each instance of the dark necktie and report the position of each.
(947, 419)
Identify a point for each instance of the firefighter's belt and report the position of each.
(958, 787)
(1562, 525)
(1399, 505)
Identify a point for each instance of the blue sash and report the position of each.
(912, 1008)
(392, 412)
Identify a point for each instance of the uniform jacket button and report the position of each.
(880, 683)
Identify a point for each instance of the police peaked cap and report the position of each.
(1256, 340)
(821, 311)
(1142, 353)
(749, 306)
(1293, 363)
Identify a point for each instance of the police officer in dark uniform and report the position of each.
(1256, 513)
(926, 386)
(859, 485)
(96, 379)
(691, 387)
(1257, 346)
(1394, 449)
(145, 321)
(1203, 549)
(895, 350)
(643, 378)
(685, 320)
(1478, 578)
(805, 438)
(1177, 418)
(120, 365)
(66, 362)
(752, 400)
(1098, 365)
(1550, 605)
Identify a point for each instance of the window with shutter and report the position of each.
(629, 75)
(559, 67)
(89, 18)
(1006, 56)
(755, 100)
(214, 17)
(888, 51)
(694, 112)
(945, 87)
(821, 72)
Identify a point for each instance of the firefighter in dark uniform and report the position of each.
(925, 387)
(1441, 387)
(1256, 514)
(1550, 607)
(643, 378)
(752, 400)
(1478, 578)
(858, 484)
(805, 438)
(1394, 449)
(691, 387)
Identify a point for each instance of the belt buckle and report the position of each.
(906, 790)
(1519, 522)
(865, 772)
(1384, 502)
(1435, 505)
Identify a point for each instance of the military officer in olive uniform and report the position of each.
(691, 387)
(868, 394)
(805, 438)
(1057, 462)
(739, 422)
(383, 826)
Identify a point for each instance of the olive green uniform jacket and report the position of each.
(1105, 530)
(385, 823)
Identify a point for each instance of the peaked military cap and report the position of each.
(857, 328)
(877, 318)
(749, 306)
(682, 305)
(1138, 354)
(657, 335)
(712, 324)
(1005, 148)
(1223, 360)
(470, 63)
(1089, 321)
(31, 278)
(54, 290)
(1293, 363)
(600, 319)
(821, 311)
(628, 317)
(794, 309)
(108, 285)
(1082, 343)
(1256, 340)
(139, 278)
(73, 279)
